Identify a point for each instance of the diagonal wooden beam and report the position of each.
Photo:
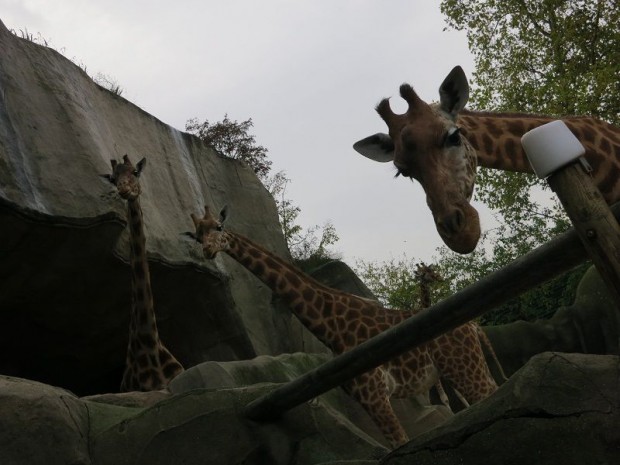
(547, 261)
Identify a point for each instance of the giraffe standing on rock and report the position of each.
(150, 366)
(441, 144)
(342, 321)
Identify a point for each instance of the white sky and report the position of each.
(308, 73)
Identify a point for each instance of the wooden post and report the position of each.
(594, 222)
(554, 153)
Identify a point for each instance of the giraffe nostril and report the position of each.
(451, 223)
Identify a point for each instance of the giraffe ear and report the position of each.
(140, 166)
(223, 214)
(378, 147)
(454, 91)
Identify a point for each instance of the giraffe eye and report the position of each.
(453, 138)
(219, 227)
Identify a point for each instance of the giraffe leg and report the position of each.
(461, 397)
(484, 339)
(443, 397)
(371, 392)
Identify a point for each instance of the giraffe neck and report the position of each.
(321, 309)
(143, 326)
(497, 140)
(425, 295)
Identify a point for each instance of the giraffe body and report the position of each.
(343, 321)
(149, 364)
(441, 144)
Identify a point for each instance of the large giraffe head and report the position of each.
(210, 232)
(125, 177)
(426, 144)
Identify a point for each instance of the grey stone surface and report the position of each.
(65, 287)
(590, 325)
(41, 424)
(559, 408)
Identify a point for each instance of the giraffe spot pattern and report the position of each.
(343, 321)
(171, 370)
(487, 143)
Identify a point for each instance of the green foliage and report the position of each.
(233, 140)
(557, 57)
(394, 282)
(308, 247)
(459, 271)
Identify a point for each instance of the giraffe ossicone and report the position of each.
(149, 364)
(441, 144)
(342, 321)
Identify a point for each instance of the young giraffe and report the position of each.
(427, 276)
(342, 321)
(441, 144)
(150, 366)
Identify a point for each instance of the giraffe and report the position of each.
(342, 321)
(427, 275)
(441, 144)
(149, 365)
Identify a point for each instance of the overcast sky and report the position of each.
(308, 73)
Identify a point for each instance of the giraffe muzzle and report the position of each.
(460, 229)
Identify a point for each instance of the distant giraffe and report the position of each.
(150, 366)
(343, 321)
(441, 144)
(427, 276)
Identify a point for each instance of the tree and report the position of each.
(395, 283)
(233, 140)
(308, 247)
(556, 57)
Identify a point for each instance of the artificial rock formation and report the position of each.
(559, 408)
(64, 276)
(196, 425)
(65, 297)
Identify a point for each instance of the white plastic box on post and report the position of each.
(554, 153)
(550, 147)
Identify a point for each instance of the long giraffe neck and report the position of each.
(497, 140)
(425, 294)
(321, 309)
(150, 365)
(143, 323)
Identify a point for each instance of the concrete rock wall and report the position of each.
(64, 278)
